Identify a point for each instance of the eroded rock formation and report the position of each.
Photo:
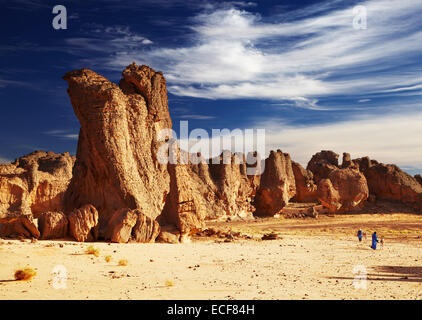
(343, 190)
(83, 223)
(306, 189)
(131, 225)
(389, 182)
(322, 163)
(277, 185)
(31, 185)
(117, 165)
(53, 225)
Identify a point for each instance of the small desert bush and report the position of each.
(169, 283)
(93, 250)
(25, 274)
(123, 262)
(107, 258)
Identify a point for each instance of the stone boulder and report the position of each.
(322, 163)
(277, 185)
(53, 225)
(306, 190)
(120, 225)
(83, 223)
(146, 229)
(19, 226)
(126, 225)
(344, 190)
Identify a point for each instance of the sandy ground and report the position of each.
(314, 259)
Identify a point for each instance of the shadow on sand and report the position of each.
(391, 273)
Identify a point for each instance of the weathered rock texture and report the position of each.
(117, 165)
(16, 226)
(343, 190)
(33, 184)
(277, 185)
(306, 189)
(389, 182)
(214, 190)
(53, 225)
(418, 178)
(83, 223)
(145, 229)
(322, 163)
(126, 225)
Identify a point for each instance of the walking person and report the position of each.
(374, 240)
(360, 234)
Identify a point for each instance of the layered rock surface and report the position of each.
(306, 189)
(31, 185)
(343, 190)
(277, 185)
(117, 165)
(389, 182)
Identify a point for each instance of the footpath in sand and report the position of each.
(314, 259)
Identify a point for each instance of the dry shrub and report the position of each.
(93, 250)
(107, 258)
(169, 283)
(25, 274)
(123, 262)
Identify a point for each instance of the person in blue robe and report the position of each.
(374, 241)
(360, 235)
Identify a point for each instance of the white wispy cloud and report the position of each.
(196, 117)
(391, 139)
(63, 134)
(237, 54)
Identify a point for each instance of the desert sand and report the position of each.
(312, 259)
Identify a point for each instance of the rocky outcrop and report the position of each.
(201, 190)
(389, 182)
(145, 229)
(418, 178)
(120, 225)
(31, 185)
(343, 190)
(117, 165)
(35, 183)
(322, 163)
(348, 162)
(19, 225)
(306, 190)
(131, 225)
(53, 225)
(277, 185)
(83, 223)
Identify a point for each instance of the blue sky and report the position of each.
(298, 69)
